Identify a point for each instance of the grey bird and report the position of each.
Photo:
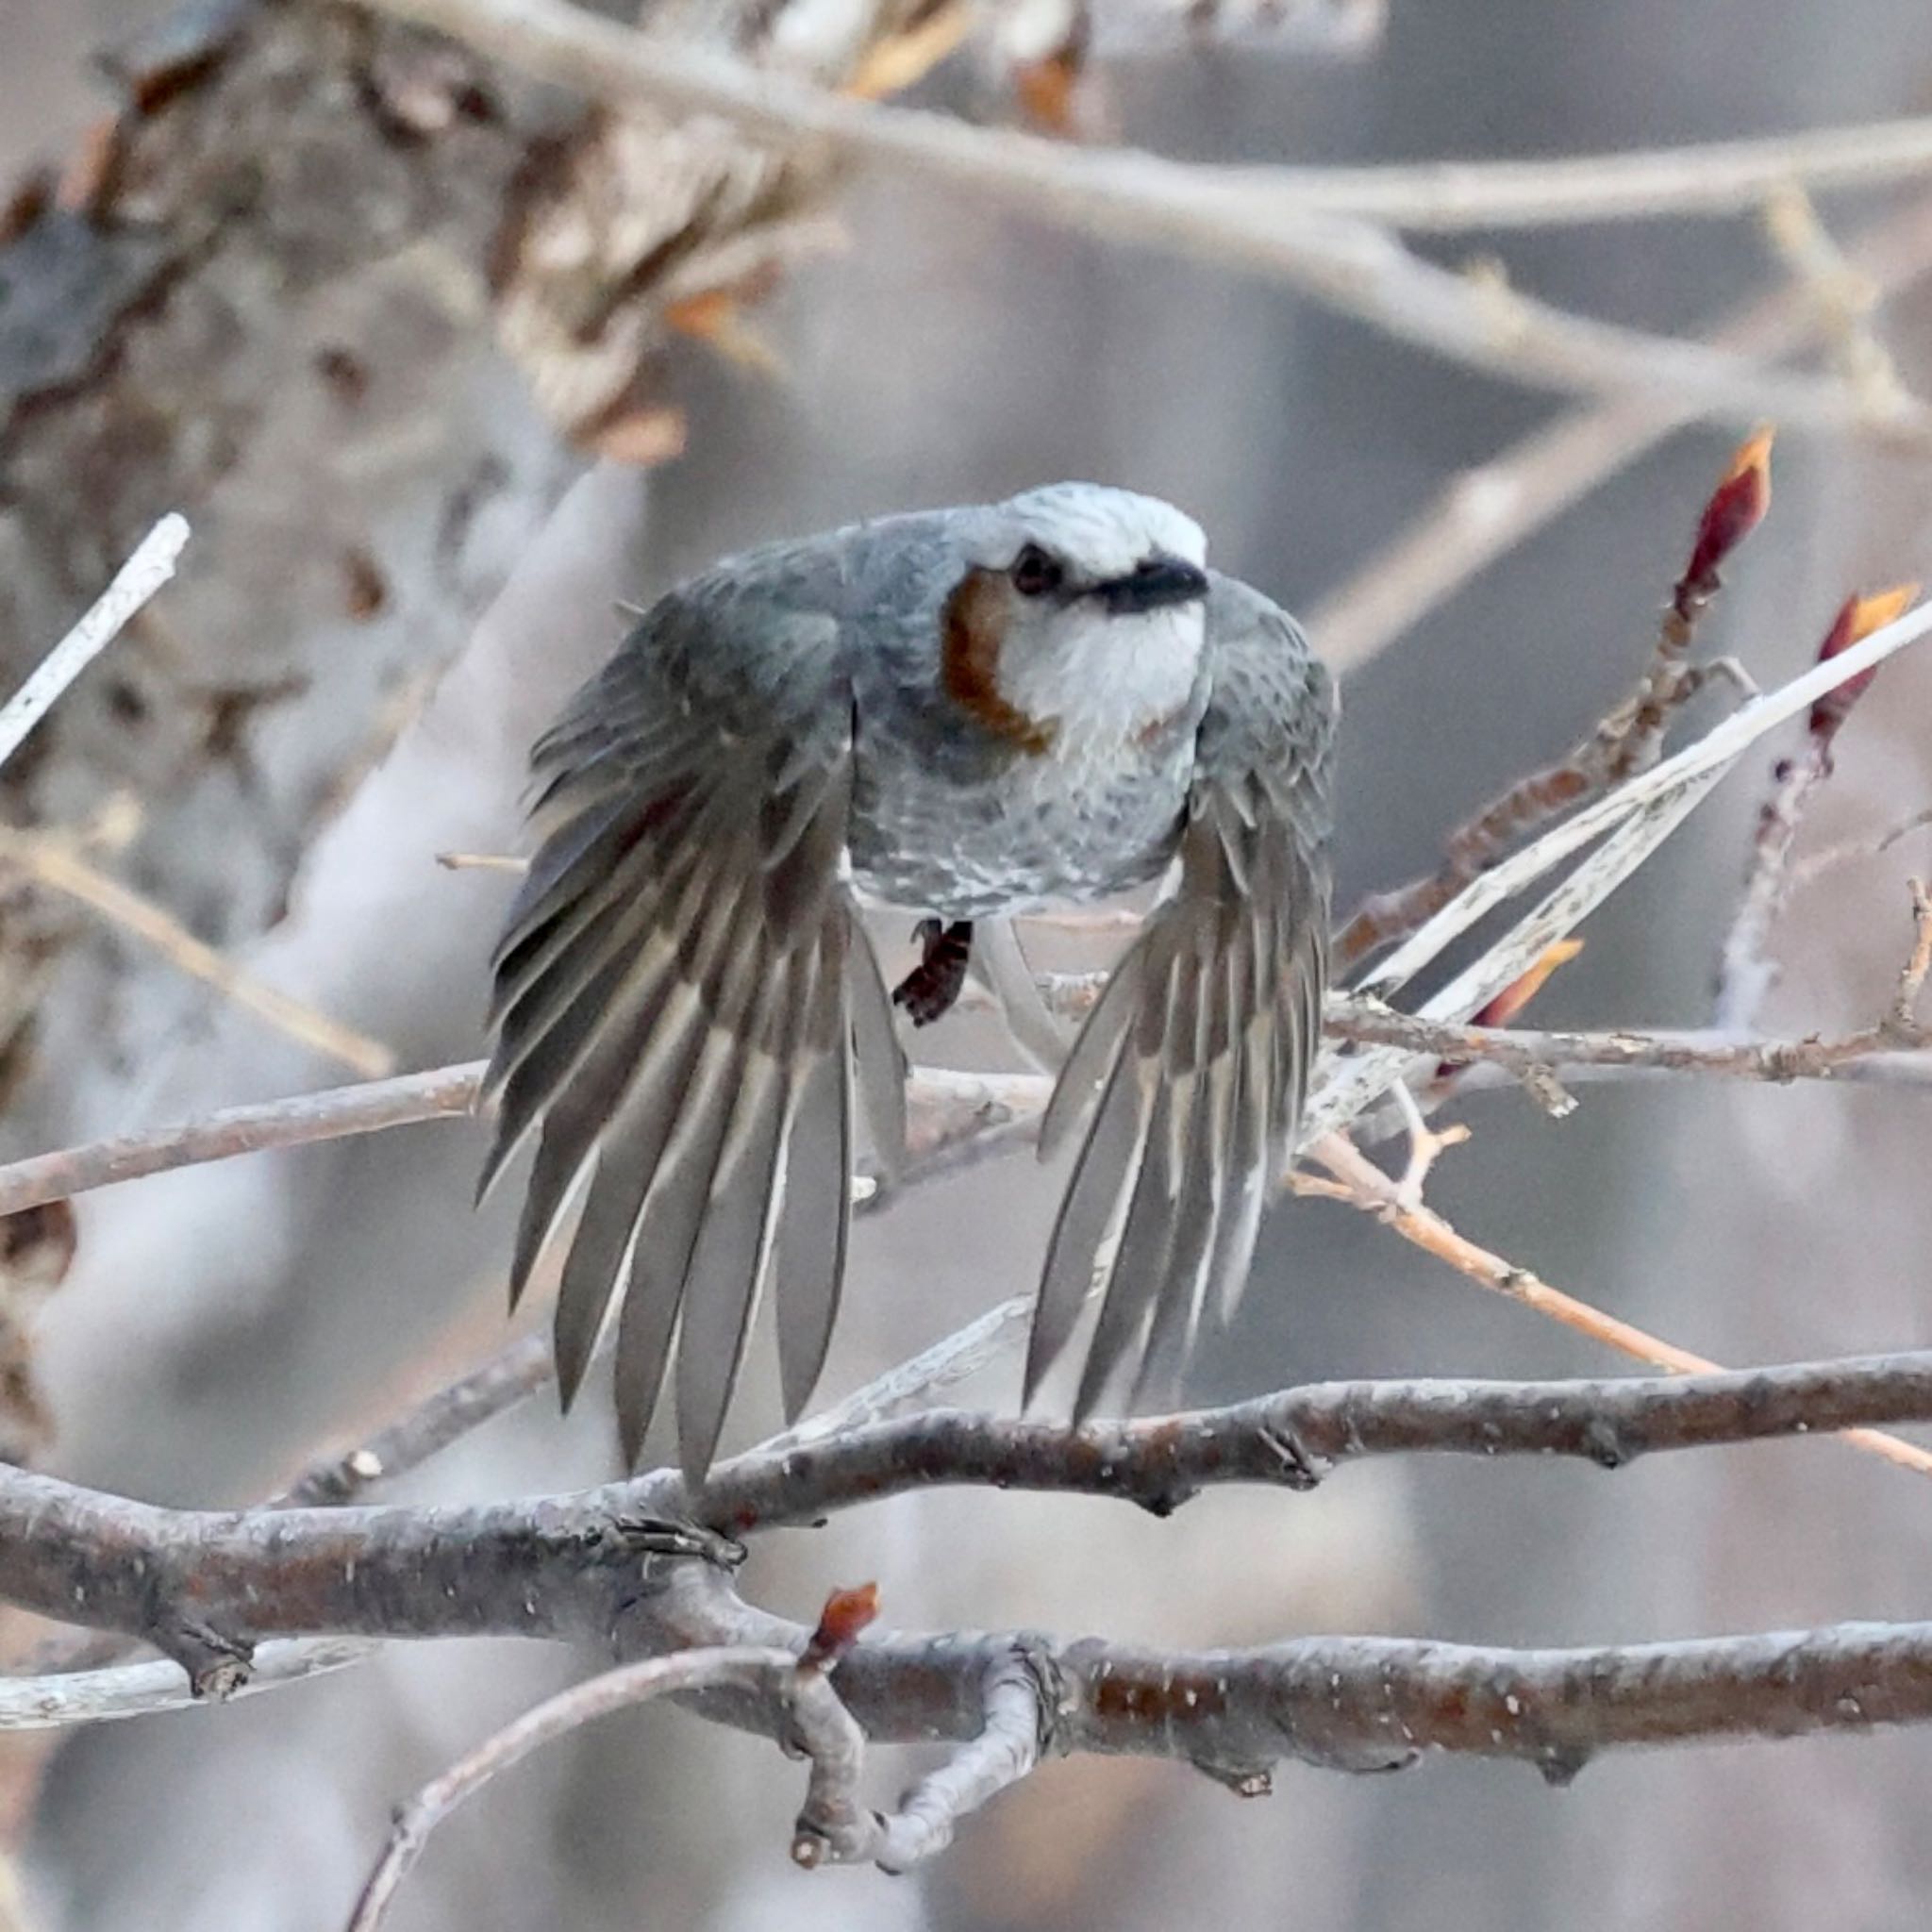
(971, 713)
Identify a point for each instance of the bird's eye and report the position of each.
(1034, 574)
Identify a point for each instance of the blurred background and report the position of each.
(320, 298)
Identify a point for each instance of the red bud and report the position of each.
(1737, 507)
(1858, 618)
(845, 1614)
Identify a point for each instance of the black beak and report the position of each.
(1155, 585)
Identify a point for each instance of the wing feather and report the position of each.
(674, 999)
(1201, 1046)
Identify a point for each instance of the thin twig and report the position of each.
(52, 861)
(1746, 968)
(332, 1114)
(1361, 1184)
(1709, 1052)
(509, 1378)
(1231, 216)
(761, 1672)
(138, 579)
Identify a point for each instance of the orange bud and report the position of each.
(1858, 618)
(716, 316)
(1046, 89)
(1510, 1002)
(845, 1614)
(1736, 508)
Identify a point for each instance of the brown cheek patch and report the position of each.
(970, 629)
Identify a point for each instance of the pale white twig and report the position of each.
(137, 580)
(707, 1668)
(1712, 754)
(139, 1689)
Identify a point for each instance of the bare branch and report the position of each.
(203, 1584)
(1484, 512)
(1235, 215)
(138, 579)
(762, 1673)
(1293, 1439)
(1624, 742)
(1705, 177)
(62, 1699)
(331, 1115)
(1709, 1052)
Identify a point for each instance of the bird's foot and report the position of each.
(932, 986)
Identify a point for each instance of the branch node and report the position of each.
(217, 1665)
(1559, 1764)
(1605, 1445)
(1297, 1467)
(1242, 1781)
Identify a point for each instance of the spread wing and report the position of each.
(1195, 1063)
(676, 994)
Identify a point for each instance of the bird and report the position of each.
(973, 713)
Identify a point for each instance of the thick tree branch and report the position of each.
(203, 1583)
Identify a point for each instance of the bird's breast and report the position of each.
(971, 832)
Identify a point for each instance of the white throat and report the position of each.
(1112, 680)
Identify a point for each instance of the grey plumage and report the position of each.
(968, 713)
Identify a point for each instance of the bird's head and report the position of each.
(1080, 612)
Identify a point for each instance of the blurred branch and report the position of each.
(1236, 216)
(507, 1378)
(1704, 178)
(137, 580)
(50, 860)
(1746, 970)
(1484, 512)
(1360, 1184)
